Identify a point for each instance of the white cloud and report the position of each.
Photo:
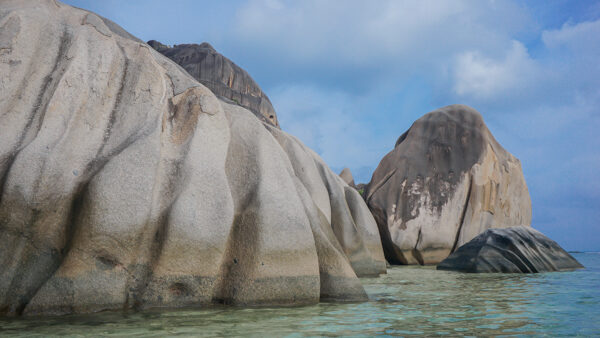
(483, 77)
(328, 122)
(387, 33)
(565, 71)
(584, 35)
(575, 51)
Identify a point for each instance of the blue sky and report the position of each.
(349, 77)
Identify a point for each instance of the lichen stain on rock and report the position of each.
(184, 110)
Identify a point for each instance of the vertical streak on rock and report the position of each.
(47, 89)
(35, 268)
(238, 260)
(50, 84)
(178, 128)
(230, 81)
(415, 251)
(464, 214)
(152, 237)
(118, 100)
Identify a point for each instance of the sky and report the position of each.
(349, 77)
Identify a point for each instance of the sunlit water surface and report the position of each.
(409, 300)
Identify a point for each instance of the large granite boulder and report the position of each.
(446, 181)
(514, 249)
(223, 77)
(125, 183)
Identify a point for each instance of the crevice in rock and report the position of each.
(463, 215)
(4, 175)
(415, 251)
(342, 223)
(371, 191)
(392, 254)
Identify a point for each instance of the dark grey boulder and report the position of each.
(514, 249)
(223, 77)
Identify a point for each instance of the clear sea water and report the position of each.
(409, 300)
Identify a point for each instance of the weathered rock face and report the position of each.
(347, 177)
(446, 181)
(125, 183)
(223, 77)
(515, 249)
(342, 206)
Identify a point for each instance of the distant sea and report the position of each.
(409, 300)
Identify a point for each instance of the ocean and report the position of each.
(409, 300)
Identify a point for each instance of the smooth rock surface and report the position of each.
(512, 250)
(126, 184)
(223, 77)
(446, 181)
(346, 175)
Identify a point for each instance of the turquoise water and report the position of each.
(409, 300)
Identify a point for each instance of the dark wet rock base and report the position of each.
(511, 250)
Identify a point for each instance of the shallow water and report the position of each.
(409, 300)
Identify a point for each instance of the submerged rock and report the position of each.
(125, 183)
(515, 249)
(223, 77)
(446, 181)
